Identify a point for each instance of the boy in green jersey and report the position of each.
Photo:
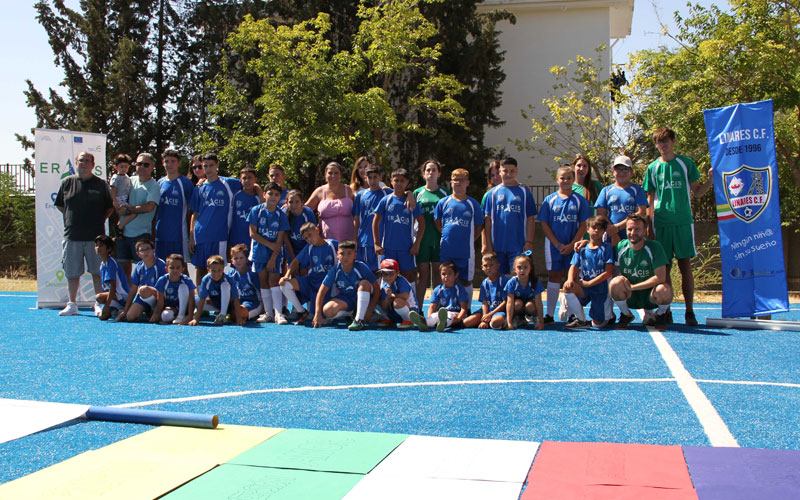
(669, 182)
(427, 197)
(643, 283)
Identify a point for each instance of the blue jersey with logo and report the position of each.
(364, 206)
(268, 223)
(527, 292)
(240, 228)
(110, 270)
(508, 207)
(398, 223)
(400, 285)
(318, 260)
(620, 202)
(295, 223)
(564, 215)
(451, 298)
(458, 218)
(212, 291)
(213, 202)
(147, 276)
(347, 283)
(493, 292)
(592, 261)
(248, 284)
(173, 207)
(170, 289)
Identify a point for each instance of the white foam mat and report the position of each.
(19, 417)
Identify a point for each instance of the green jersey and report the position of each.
(640, 265)
(671, 181)
(581, 190)
(427, 201)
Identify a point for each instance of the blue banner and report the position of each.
(742, 148)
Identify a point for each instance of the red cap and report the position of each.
(390, 265)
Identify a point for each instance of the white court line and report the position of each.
(23, 296)
(221, 395)
(713, 425)
(749, 382)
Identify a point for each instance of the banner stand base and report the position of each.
(754, 324)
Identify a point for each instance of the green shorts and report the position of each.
(640, 299)
(678, 241)
(428, 251)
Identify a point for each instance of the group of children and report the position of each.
(286, 262)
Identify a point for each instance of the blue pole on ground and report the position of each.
(152, 417)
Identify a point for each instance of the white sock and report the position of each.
(266, 298)
(183, 299)
(662, 309)
(552, 297)
(432, 320)
(342, 314)
(451, 316)
(403, 313)
(362, 303)
(623, 307)
(291, 296)
(574, 306)
(277, 299)
(225, 297)
(167, 315)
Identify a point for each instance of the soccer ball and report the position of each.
(748, 211)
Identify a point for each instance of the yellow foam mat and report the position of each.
(143, 466)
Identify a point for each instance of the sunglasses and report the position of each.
(142, 164)
(197, 167)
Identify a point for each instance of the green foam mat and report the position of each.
(326, 451)
(265, 483)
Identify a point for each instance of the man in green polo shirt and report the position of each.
(643, 283)
(670, 181)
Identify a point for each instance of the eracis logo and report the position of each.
(63, 170)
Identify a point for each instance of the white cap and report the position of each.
(624, 161)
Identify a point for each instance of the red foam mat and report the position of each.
(606, 471)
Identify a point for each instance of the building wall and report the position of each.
(542, 37)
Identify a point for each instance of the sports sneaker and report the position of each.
(405, 325)
(441, 324)
(661, 321)
(649, 319)
(179, 320)
(356, 325)
(265, 318)
(690, 320)
(220, 320)
(612, 320)
(531, 319)
(577, 324)
(280, 319)
(98, 309)
(70, 310)
(669, 315)
(386, 323)
(548, 319)
(301, 318)
(624, 320)
(419, 321)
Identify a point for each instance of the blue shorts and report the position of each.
(466, 267)
(407, 262)
(250, 305)
(308, 293)
(259, 266)
(350, 300)
(506, 260)
(166, 248)
(147, 304)
(554, 260)
(598, 296)
(202, 252)
(368, 256)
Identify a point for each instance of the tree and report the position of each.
(748, 54)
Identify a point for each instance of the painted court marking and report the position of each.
(713, 425)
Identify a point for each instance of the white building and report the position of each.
(547, 33)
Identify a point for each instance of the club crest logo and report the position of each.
(748, 190)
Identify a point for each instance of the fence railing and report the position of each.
(24, 180)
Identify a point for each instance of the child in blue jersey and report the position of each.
(114, 281)
(364, 206)
(298, 215)
(142, 297)
(524, 295)
(268, 228)
(172, 224)
(317, 258)
(243, 202)
(492, 296)
(217, 292)
(356, 287)
(460, 220)
(248, 283)
(510, 217)
(212, 214)
(589, 272)
(175, 303)
(563, 216)
(450, 302)
(621, 199)
(398, 240)
(397, 298)
(278, 175)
